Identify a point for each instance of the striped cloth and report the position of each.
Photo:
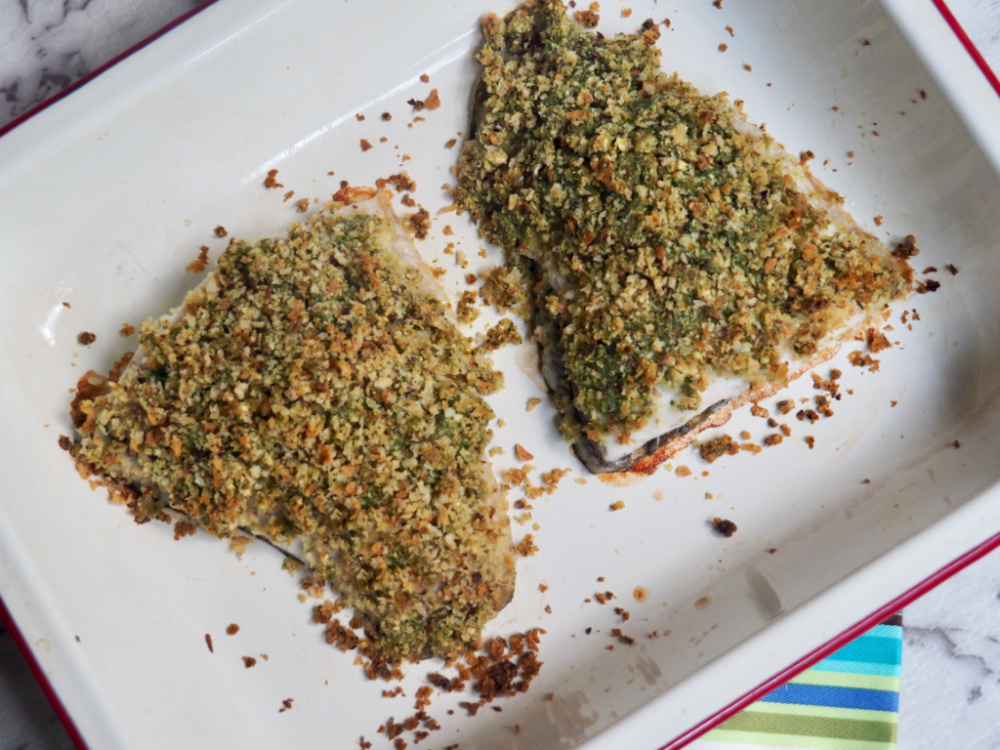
(848, 701)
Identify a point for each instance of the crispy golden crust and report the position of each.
(314, 391)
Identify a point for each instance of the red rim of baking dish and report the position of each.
(720, 716)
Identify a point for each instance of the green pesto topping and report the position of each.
(667, 243)
(312, 392)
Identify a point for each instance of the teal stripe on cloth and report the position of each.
(848, 701)
(871, 650)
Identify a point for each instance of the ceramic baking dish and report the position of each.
(109, 194)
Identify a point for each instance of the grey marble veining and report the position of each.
(46, 45)
(950, 695)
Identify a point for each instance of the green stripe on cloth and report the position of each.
(847, 679)
(812, 726)
(798, 742)
(858, 714)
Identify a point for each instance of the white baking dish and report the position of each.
(108, 195)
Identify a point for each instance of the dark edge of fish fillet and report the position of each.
(551, 360)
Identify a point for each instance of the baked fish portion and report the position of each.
(675, 261)
(314, 391)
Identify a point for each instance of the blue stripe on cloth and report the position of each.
(837, 697)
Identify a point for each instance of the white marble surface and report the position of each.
(950, 696)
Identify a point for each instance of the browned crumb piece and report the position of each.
(521, 453)
(878, 220)
(504, 332)
(747, 67)
(552, 478)
(604, 598)
(804, 414)
(364, 744)
(772, 440)
(718, 4)
(386, 116)
(65, 443)
(866, 480)
(450, 143)
(249, 661)
(425, 78)
(302, 205)
(683, 471)
(418, 223)
(622, 638)
(127, 329)
(723, 47)
(956, 445)
(730, 30)
(618, 505)
(860, 359)
(472, 708)
(526, 547)
(85, 338)
(715, 448)
(286, 705)
(724, 526)
(759, 411)
(785, 406)
(432, 102)
(208, 642)
(806, 156)
(466, 311)
(270, 182)
(366, 144)
(183, 529)
(930, 285)
(67, 305)
(587, 18)
(906, 249)
(401, 181)
(622, 613)
(877, 341)
(952, 269)
(359, 117)
(288, 196)
(407, 201)
(233, 629)
(423, 697)
(532, 403)
(626, 12)
(220, 231)
(787, 431)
